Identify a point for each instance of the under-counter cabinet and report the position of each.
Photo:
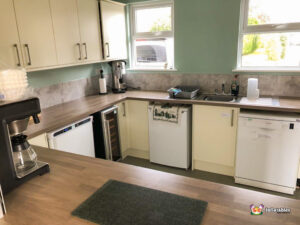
(133, 128)
(10, 53)
(36, 33)
(113, 29)
(40, 140)
(214, 138)
(123, 127)
(76, 30)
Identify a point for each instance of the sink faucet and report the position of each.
(223, 89)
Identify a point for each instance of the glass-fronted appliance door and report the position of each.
(111, 133)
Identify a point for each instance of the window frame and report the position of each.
(244, 29)
(149, 35)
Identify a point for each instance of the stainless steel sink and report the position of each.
(219, 98)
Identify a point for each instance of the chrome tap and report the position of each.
(223, 89)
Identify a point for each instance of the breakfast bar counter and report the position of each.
(50, 199)
(63, 114)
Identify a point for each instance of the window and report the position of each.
(269, 35)
(152, 35)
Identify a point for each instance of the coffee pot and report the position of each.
(18, 160)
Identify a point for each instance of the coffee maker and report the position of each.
(18, 161)
(118, 71)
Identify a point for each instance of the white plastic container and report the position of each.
(252, 90)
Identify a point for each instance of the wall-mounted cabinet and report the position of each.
(45, 34)
(36, 33)
(113, 30)
(89, 24)
(76, 30)
(66, 30)
(10, 53)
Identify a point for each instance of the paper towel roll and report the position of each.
(102, 85)
(252, 90)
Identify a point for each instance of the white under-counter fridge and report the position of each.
(268, 151)
(74, 138)
(170, 141)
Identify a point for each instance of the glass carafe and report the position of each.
(24, 156)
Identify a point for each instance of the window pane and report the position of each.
(272, 49)
(154, 52)
(273, 11)
(153, 19)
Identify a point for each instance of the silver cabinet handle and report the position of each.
(108, 50)
(85, 47)
(79, 48)
(18, 55)
(108, 140)
(28, 54)
(124, 109)
(232, 117)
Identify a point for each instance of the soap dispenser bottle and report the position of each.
(235, 87)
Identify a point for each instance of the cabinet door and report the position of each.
(123, 127)
(214, 137)
(40, 140)
(138, 130)
(114, 30)
(89, 23)
(66, 30)
(10, 55)
(36, 33)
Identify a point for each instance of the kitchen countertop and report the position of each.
(63, 114)
(50, 199)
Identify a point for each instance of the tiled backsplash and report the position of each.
(65, 92)
(270, 85)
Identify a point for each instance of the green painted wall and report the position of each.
(55, 76)
(206, 35)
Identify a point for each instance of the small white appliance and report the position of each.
(252, 89)
(75, 138)
(170, 142)
(268, 151)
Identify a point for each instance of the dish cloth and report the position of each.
(166, 112)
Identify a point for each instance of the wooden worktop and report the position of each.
(63, 114)
(49, 199)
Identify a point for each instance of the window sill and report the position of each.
(275, 70)
(150, 69)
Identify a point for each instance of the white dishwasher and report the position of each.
(170, 141)
(74, 138)
(268, 151)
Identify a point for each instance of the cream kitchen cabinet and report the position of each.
(76, 30)
(133, 128)
(10, 53)
(66, 30)
(40, 140)
(214, 138)
(89, 24)
(113, 29)
(123, 127)
(35, 28)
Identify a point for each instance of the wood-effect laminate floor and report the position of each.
(203, 175)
